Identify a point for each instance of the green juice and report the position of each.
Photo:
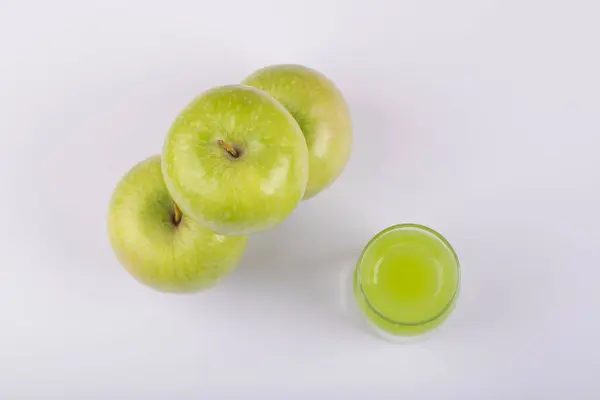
(407, 280)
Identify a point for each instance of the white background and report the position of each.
(478, 118)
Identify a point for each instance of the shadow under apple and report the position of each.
(298, 267)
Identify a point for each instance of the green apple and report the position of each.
(323, 115)
(235, 160)
(157, 244)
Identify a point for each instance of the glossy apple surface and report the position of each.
(236, 160)
(157, 244)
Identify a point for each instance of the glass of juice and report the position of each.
(406, 281)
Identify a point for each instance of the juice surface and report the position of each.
(407, 279)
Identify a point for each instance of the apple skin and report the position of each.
(247, 192)
(320, 110)
(178, 258)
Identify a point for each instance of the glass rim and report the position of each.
(421, 228)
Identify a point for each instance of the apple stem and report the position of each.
(177, 216)
(229, 148)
